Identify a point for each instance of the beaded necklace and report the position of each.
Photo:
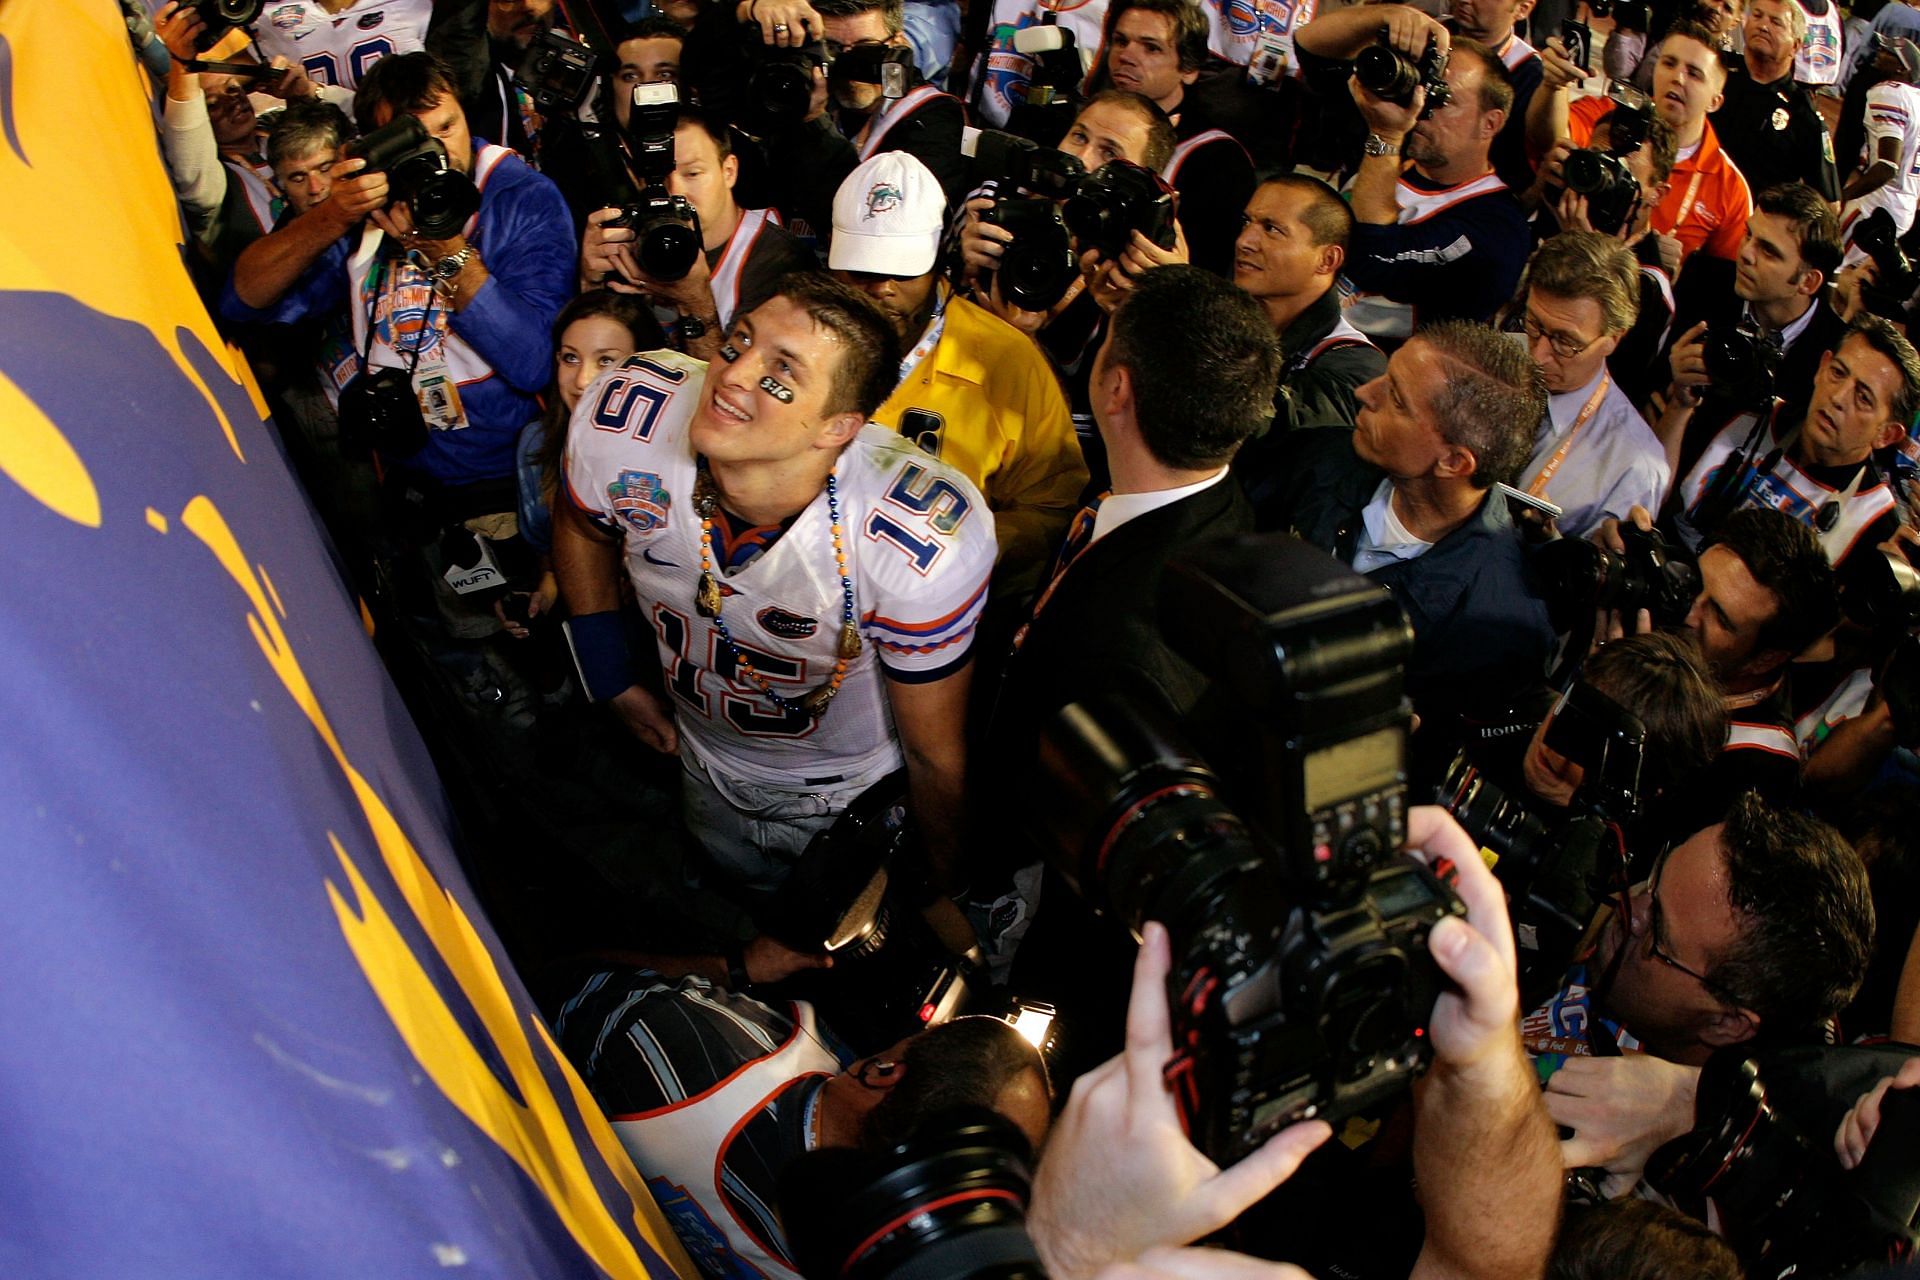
(707, 601)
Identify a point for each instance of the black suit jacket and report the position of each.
(1100, 632)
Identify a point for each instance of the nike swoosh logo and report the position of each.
(646, 553)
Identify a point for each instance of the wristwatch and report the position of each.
(1379, 146)
(692, 327)
(443, 272)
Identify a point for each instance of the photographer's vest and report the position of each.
(1838, 518)
(256, 185)
(732, 263)
(681, 1150)
(1378, 316)
(399, 298)
(874, 135)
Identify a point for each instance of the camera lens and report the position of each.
(783, 86)
(443, 203)
(667, 247)
(237, 12)
(1386, 73)
(1583, 172)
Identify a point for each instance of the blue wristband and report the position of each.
(599, 645)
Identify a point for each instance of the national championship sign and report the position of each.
(252, 1022)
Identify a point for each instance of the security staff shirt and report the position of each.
(1774, 133)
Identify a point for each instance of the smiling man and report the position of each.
(1819, 470)
(814, 582)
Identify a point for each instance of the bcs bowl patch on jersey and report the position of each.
(641, 500)
(287, 17)
(776, 621)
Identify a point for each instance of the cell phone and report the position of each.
(1531, 514)
(1578, 39)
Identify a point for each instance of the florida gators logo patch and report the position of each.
(641, 500)
(776, 621)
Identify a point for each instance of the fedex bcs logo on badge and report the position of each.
(641, 500)
(287, 16)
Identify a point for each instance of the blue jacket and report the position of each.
(525, 236)
(1480, 629)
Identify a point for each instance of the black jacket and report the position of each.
(1480, 631)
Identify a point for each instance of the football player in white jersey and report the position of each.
(1888, 168)
(813, 582)
(335, 41)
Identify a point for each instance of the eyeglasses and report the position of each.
(1564, 345)
(1656, 926)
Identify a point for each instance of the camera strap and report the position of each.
(1735, 476)
(380, 280)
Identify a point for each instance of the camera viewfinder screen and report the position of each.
(1371, 762)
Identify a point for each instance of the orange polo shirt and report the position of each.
(1707, 202)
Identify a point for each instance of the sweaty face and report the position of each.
(906, 302)
(1394, 429)
(1687, 80)
(702, 176)
(229, 109)
(1770, 268)
(518, 21)
(653, 60)
(1456, 131)
(1556, 325)
(1275, 256)
(1728, 615)
(1488, 21)
(1106, 132)
(1851, 410)
(588, 348)
(739, 420)
(1654, 1000)
(868, 27)
(1141, 56)
(307, 179)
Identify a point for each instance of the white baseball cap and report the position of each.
(887, 218)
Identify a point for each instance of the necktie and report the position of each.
(1079, 538)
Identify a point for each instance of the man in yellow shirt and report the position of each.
(974, 391)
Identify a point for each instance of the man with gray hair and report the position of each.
(1593, 455)
(1406, 498)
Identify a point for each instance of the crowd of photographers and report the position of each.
(945, 554)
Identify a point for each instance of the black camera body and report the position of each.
(889, 66)
(557, 71)
(1116, 200)
(378, 410)
(440, 197)
(1013, 162)
(1894, 275)
(780, 83)
(1652, 574)
(1387, 73)
(1743, 363)
(666, 227)
(1301, 980)
(1037, 267)
(222, 16)
(1557, 872)
(1766, 1157)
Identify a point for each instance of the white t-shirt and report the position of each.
(919, 544)
(1817, 61)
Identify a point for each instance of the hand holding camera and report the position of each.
(1688, 363)
(609, 259)
(357, 192)
(1120, 1175)
(1558, 70)
(1112, 279)
(1621, 1111)
(786, 23)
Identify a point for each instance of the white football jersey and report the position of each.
(337, 48)
(919, 543)
(1893, 110)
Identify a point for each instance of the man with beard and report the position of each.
(1760, 923)
(1444, 238)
